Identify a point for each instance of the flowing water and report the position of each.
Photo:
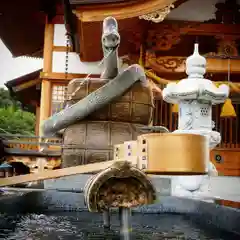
(85, 225)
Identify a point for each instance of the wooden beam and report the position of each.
(62, 76)
(89, 168)
(129, 9)
(196, 28)
(173, 64)
(62, 49)
(207, 29)
(25, 85)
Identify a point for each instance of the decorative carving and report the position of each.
(187, 122)
(215, 139)
(171, 63)
(163, 36)
(164, 64)
(150, 57)
(163, 41)
(159, 15)
(227, 45)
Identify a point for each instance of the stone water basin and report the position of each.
(84, 225)
(49, 216)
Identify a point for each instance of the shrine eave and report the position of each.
(14, 83)
(87, 2)
(123, 10)
(25, 90)
(22, 25)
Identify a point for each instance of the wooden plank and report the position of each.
(89, 168)
(62, 76)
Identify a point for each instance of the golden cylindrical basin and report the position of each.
(173, 154)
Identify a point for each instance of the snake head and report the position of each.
(110, 36)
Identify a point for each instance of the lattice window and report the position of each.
(58, 98)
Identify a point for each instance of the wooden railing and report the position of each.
(19, 144)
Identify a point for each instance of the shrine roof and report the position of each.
(23, 79)
(24, 89)
(82, 2)
(22, 22)
(22, 25)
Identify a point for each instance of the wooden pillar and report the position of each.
(37, 120)
(45, 105)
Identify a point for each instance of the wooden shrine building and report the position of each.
(159, 33)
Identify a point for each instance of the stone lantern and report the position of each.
(195, 96)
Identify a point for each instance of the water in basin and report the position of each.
(85, 225)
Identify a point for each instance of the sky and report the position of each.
(11, 68)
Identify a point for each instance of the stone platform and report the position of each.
(227, 188)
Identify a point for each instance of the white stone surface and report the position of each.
(195, 96)
(211, 188)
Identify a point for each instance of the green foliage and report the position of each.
(12, 118)
(6, 100)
